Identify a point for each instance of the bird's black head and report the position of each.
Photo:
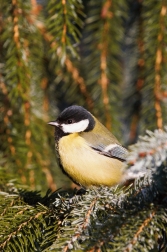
(74, 119)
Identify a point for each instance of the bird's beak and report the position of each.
(53, 124)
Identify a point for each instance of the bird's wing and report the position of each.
(112, 151)
(105, 143)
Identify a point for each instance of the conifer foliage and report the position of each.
(111, 57)
(132, 218)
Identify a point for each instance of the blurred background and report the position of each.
(109, 56)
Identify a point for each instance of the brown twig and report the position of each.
(103, 46)
(158, 65)
(83, 227)
(140, 229)
(79, 80)
(2, 245)
(64, 33)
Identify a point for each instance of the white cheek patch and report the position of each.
(75, 127)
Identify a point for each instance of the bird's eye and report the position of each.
(69, 121)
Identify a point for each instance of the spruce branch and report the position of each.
(81, 226)
(101, 55)
(148, 153)
(29, 227)
(109, 219)
(155, 57)
(140, 230)
(71, 68)
(64, 21)
(21, 93)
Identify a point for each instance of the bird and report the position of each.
(88, 153)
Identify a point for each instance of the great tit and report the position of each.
(87, 151)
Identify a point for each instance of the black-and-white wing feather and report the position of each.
(112, 151)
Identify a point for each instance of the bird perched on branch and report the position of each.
(88, 153)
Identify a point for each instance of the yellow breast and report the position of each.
(85, 166)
